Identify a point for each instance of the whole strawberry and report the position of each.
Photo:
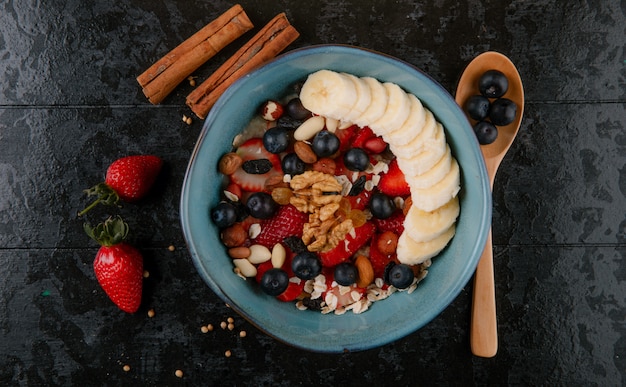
(129, 179)
(118, 266)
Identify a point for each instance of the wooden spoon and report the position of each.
(484, 331)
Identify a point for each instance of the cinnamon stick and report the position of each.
(273, 38)
(163, 76)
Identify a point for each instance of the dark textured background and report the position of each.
(70, 105)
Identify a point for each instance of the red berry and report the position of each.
(287, 221)
(132, 176)
(394, 223)
(362, 136)
(393, 183)
(346, 248)
(118, 266)
(375, 145)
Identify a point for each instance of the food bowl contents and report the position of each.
(339, 195)
(490, 108)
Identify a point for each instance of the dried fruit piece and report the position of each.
(229, 163)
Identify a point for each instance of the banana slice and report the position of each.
(329, 94)
(363, 100)
(378, 103)
(411, 252)
(431, 198)
(424, 226)
(411, 127)
(432, 151)
(396, 113)
(418, 143)
(433, 175)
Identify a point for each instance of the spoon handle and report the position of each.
(484, 330)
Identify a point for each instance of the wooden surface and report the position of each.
(70, 105)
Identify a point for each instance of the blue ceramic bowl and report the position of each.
(387, 320)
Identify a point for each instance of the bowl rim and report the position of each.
(371, 342)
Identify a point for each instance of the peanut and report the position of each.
(309, 128)
(259, 254)
(246, 268)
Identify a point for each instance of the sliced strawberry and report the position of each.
(360, 201)
(346, 248)
(345, 137)
(375, 145)
(294, 289)
(261, 269)
(287, 221)
(361, 136)
(234, 189)
(253, 149)
(393, 182)
(378, 259)
(394, 223)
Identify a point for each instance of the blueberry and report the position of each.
(274, 282)
(381, 206)
(493, 84)
(306, 265)
(477, 107)
(346, 274)
(502, 111)
(261, 205)
(296, 110)
(356, 159)
(486, 132)
(276, 139)
(325, 144)
(292, 165)
(400, 276)
(224, 215)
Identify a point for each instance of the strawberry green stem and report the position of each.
(106, 195)
(109, 233)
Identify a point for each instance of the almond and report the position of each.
(239, 252)
(304, 152)
(365, 270)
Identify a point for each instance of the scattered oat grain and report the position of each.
(204, 329)
(179, 373)
(223, 325)
(242, 334)
(230, 320)
(151, 313)
(231, 326)
(184, 118)
(188, 121)
(146, 274)
(192, 81)
(126, 368)
(209, 327)
(228, 353)
(171, 248)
